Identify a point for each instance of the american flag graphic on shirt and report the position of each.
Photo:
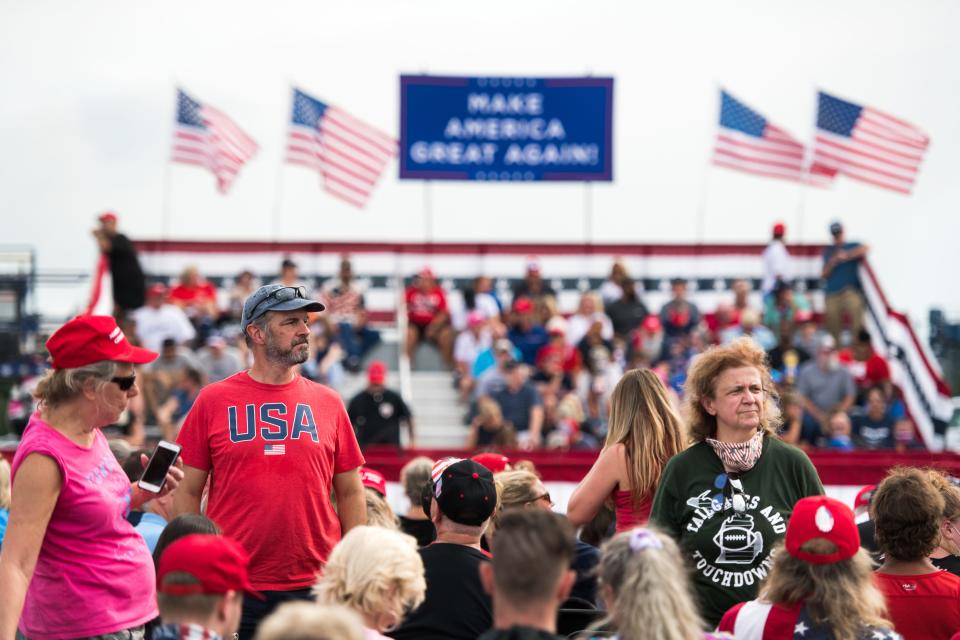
(274, 449)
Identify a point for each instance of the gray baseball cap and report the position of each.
(276, 297)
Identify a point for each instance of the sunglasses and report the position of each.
(737, 497)
(124, 382)
(281, 295)
(545, 496)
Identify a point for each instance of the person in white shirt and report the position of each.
(776, 260)
(159, 320)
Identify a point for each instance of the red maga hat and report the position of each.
(496, 462)
(822, 517)
(217, 563)
(779, 229)
(107, 215)
(88, 339)
(376, 372)
(374, 480)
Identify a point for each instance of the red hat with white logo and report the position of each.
(88, 339)
(496, 462)
(822, 517)
(107, 216)
(864, 496)
(373, 479)
(218, 564)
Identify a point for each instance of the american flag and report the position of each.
(349, 154)
(867, 144)
(205, 136)
(756, 619)
(274, 449)
(746, 141)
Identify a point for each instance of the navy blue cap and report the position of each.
(266, 299)
(835, 228)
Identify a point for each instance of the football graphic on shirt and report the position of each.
(738, 542)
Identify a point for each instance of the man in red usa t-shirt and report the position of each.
(273, 445)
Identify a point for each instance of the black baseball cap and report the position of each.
(465, 491)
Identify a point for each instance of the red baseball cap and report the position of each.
(779, 229)
(822, 517)
(376, 372)
(157, 289)
(88, 339)
(496, 462)
(107, 215)
(864, 496)
(219, 565)
(523, 305)
(426, 272)
(651, 324)
(373, 479)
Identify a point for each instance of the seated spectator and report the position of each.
(158, 321)
(646, 590)
(160, 378)
(750, 326)
(244, 286)
(533, 286)
(379, 512)
(567, 427)
(905, 437)
(376, 412)
(4, 497)
(741, 295)
(589, 310)
(521, 405)
(824, 387)
(488, 428)
(786, 358)
(646, 343)
(218, 360)
(529, 576)
(495, 377)
(487, 358)
(290, 277)
(526, 333)
(946, 555)
(808, 335)
(679, 316)
(200, 585)
(171, 413)
(781, 309)
(868, 368)
(792, 411)
(559, 347)
(839, 433)
(875, 427)
(481, 297)
(196, 296)
(325, 364)
(724, 318)
(820, 584)
(627, 313)
(461, 500)
(378, 574)
(308, 621)
(612, 288)
(923, 601)
(523, 490)
(427, 316)
(467, 348)
(414, 477)
(346, 309)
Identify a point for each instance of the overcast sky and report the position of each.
(88, 99)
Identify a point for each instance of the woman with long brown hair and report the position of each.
(644, 432)
(820, 584)
(727, 498)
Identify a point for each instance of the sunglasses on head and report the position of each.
(124, 382)
(281, 295)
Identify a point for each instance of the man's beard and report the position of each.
(288, 357)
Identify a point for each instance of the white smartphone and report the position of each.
(155, 473)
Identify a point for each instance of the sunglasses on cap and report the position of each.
(281, 295)
(737, 498)
(124, 382)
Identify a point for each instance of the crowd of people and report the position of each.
(701, 518)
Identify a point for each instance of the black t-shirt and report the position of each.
(456, 606)
(129, 285)
(947, 563)
(422, 530)
(376, 416)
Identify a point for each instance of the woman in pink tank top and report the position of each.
(643, 433)
(72, 566)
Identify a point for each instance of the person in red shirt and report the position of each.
(275, 445)
(196, 296)
(923, 601)
(427, 316)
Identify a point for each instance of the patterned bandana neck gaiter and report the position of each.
(738, 456)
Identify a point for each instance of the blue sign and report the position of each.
(506, 129)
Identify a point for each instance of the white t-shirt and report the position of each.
(156, 325)
(776, 263)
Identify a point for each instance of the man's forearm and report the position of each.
(185, 502)
(352, 511)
